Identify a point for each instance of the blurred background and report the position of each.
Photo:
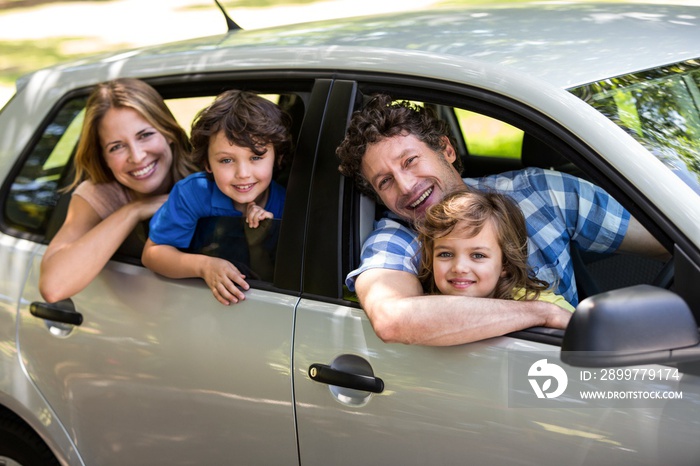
(39, 33)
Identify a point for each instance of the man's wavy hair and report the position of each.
(247, 120)
(469, 211)
(383, 118)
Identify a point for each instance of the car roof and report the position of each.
(565, 44)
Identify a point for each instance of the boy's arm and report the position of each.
(219, 274)
(399, 312)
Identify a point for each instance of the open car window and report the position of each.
(489, 145)
(251, 250)
(37, 202)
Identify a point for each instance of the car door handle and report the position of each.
(326, 374)
(60, 311)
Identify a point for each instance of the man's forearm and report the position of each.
(399, 312)
(639, 241)
(440, 320)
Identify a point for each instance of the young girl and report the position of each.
(239, 140)
(131, 152)
(475, 244)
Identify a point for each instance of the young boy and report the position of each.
(240, 140)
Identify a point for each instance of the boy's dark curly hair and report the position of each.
(383, 118)
(247, 120)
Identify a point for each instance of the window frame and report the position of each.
(287, 275)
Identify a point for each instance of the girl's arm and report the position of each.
(219, 274)
(85, 243)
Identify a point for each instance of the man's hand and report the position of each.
(556, 317)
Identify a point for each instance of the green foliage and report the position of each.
(658, 108)
(489, 137)
(23, 56)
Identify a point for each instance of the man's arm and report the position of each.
(399, 312)
(639, 241)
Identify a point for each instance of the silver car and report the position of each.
(140, 369)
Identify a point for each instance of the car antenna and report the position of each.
(230, 24)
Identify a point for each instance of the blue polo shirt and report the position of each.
(195, 197)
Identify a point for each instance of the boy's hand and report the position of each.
(255, 214)
(222, 276)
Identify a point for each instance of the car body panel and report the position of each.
(19, 392)
(470, 386)
(162, 354)
(550, 45)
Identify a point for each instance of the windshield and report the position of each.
(659, 108)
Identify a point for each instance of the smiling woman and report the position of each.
(130, 154)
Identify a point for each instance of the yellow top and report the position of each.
(549, 297)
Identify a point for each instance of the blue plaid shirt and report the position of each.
(559, 210)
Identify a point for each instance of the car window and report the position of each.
(184, 110)
(34, 193)
(659, 108)
(36, 203)
(514, 148)
(251, 250)
(489, 137)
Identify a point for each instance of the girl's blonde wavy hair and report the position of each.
(471, 210)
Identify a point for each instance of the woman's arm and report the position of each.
(85, 243)
(220, 275)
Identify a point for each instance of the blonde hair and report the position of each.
(135, 94)
(472, 209)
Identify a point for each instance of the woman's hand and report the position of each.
(222, 277)
(147, 207)
(255, 214)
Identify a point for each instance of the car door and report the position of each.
(140, 369)
(362, 401)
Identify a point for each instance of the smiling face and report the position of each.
(240, 173)
(138, 155)
(468, 266)
(408, 176)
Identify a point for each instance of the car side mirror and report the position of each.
(637, 325)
